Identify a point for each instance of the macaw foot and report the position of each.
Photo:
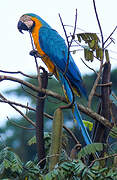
(34, 53)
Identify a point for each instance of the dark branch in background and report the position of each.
(42, 83)
(105, 104)
(101, 133)
(100, 28)
(91, 95)
(34, 55)
(72, 37)
(67, 64)
(40, 120)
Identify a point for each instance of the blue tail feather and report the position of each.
(81, 125)
(76, 112)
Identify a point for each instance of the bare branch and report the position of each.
(23, 106)
(20, 112)
(72, 37)
(71, 134)
(94, 87)
(34, 88)
(106, 84)
(17, 125)
(83, 109)
(110, 35)
(101, 62)
(95, 116)
(89, 67)
(18, 72)
(100, 28)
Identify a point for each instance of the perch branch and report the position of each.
(34, 88)
(83, 109)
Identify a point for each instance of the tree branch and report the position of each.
(34, 88)
(83, 109)
(95, 116)
(20, 112)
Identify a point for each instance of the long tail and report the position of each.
(76, 112)
(79, 120)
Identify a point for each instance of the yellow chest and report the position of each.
(35, 35)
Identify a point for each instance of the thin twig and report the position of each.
(100, 159)
(49, 156)
(100, 28)
(107, 84)
(89, 67)
(23, 106)
(17, 125)
(33, 95)
(71, 134)
(37, 67)
(101, 62)
(69, 43)
(18, 72)
(110, 35)
(112, 41)
(94, 87)
(20, 112)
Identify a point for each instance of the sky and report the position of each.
(15, 47)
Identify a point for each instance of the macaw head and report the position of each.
(27, 22)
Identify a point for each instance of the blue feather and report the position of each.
(76, 114)
(54, 46)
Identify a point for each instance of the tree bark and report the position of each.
(101, 131)
(40, 121)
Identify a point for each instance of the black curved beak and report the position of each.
(21, 26)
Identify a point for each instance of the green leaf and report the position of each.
(99, 53)
(90, 149)
(113, 132)
(88, 54)
(92, 44)
(88, 124)
(32, 141)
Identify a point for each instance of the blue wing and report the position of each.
(54, 46)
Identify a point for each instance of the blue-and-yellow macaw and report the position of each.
(54, 53)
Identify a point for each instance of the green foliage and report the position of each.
(92, 48)
(47, 140)
(90, 149)
(66, 168)
(113, 132)
(77, 170)
(10, 163)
